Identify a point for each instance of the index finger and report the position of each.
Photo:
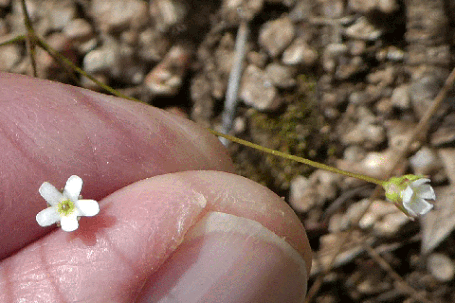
(49, 131)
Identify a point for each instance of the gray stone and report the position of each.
(382, 77)
(391, 53)
(224, 54)
(354, 153)
(236, 10)
(348, 68)
(319, 188)
(441, 267)
(299, 52)
(153, 46)
(281, 76)
(78, 30)
(257, 89)
(298, 193)
(332, 9)
(257, 58)
(167, 77)
(117, 15)
(398, 132)
(400, 97)
(168, 13)
(425, 162)
(332, 54)
(383, 217)
(364, 30)
(365, 132)
(59, 13)
(5, 3)
(276, 35)
(368, 6)
(103, 59)
(10, 55)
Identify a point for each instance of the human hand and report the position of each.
(191, 232)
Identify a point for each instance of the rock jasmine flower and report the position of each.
(65, 208)
(410, 194)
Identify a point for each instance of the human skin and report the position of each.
(176, 225)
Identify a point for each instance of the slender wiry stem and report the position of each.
(64, 60)
(13, 40)
(30, 38)
(299, 159)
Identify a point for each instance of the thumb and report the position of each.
(195, 236)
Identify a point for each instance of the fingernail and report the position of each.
(225, 258)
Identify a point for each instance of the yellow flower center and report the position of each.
(65, 207)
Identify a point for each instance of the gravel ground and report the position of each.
(344, 82)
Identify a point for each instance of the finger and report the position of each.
(119, 254)
(50, 131)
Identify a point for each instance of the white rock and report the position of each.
(79, 30)
(257, 89)
(425, 162)
(282, 76)
(364, 30)
(9, 56)
(400, 97)
(168, 13)
(167, 77)
(320, 187)
(276, 35)
(236, 10)
(367, 6)
(298, 192)
(119, 14)
(299, 52)
(441, 267)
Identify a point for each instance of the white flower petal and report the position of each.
(50, 194)
(419, 182)
(73, 187)
(421, 207)
(410, 210)
(427, 192)
(69, 223)
(47, 217)
(88, 207)
(407, 195)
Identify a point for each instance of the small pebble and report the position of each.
(364, 30)
(282, 76)
(441, 267)
(257, 89)
(276, 35)
(299, 52)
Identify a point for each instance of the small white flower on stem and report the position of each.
(65, 208)
(415, 195)
(410, 194)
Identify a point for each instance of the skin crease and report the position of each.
(49, 131)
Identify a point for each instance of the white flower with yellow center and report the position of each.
(65, 208)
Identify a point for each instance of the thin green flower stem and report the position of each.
(30, 38)
(13, 40)
(299, 159)
(67, 62)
